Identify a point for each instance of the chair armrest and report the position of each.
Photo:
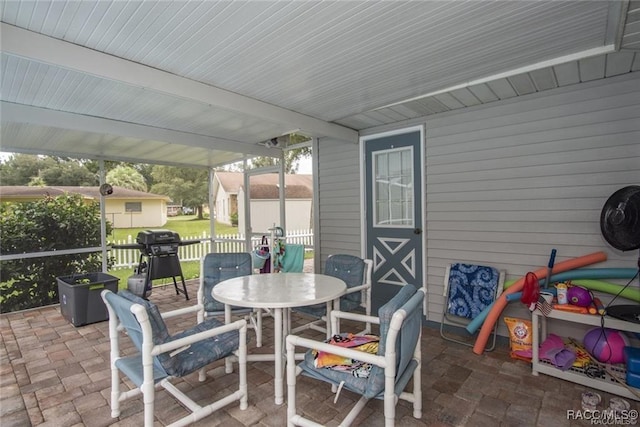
(358, 288)
(337, 314)
(185, 341)
(294, 340)
(181, 311)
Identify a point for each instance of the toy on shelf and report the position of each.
(606, 345)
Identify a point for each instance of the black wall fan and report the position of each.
(620, 219)
(620, 226)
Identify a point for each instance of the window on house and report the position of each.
(133, 207)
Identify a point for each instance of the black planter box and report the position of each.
(80, 300)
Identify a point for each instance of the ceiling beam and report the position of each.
(20, 113)
(27, 44)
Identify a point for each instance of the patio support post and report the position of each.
(247, 206)
(317, 266)
(283, 220)
(212, 213)
(103, 220)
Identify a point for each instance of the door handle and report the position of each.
(417, 231)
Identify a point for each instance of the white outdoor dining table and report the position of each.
(277, 291)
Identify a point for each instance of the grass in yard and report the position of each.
(186, 226)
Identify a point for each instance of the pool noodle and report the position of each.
(632, 294)
(514, 296)
(589, 273)
(501, 302)
(595, 273)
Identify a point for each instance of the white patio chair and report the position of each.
(356, 272)
(216, 267)
(396, 363)
(162, 357)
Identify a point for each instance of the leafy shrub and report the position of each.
(52, 223)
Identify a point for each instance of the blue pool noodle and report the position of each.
(595, 274)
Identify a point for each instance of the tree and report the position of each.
(23, 169)
(127, 177)
(142, 168)
(20, 169)
(68, 173)
(187, 186)
(52, 223)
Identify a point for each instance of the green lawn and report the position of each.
(186, 226)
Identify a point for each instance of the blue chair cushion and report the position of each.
(132, 366)
(158, 327)
(201, 353)
(217, 267)
(472, 288)
(349, 268)
(319, 310)
(186, 361)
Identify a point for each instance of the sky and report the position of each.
(305, 166)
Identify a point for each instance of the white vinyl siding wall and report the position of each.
(338, 198)
(507, 182)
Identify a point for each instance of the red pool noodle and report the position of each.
(501, 302)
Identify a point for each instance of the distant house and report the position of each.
(124, 208)
(228, 191)
(173, 210)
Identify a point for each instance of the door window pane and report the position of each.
(393, 187)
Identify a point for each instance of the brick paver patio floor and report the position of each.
(55, 374)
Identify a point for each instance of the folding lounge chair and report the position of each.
(468, 290)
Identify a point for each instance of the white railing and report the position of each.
(130, 258)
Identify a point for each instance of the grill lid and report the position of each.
(151, 237)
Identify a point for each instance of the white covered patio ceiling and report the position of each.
(205, 83)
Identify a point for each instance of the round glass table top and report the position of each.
(279, 290)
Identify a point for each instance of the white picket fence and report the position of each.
(130, 258)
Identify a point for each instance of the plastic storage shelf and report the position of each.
(80, 300)
(605, 382)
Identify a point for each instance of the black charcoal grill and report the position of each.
(159, 257)
(158, 242)
(160, 248)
